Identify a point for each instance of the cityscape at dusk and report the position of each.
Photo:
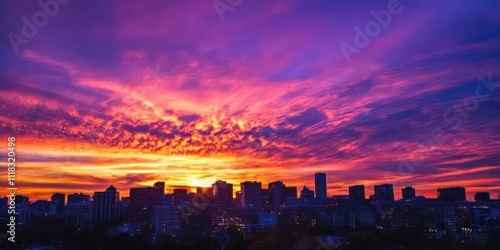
(211, 218)
(183, 97)
(128, 94)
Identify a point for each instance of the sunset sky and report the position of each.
(133, 92)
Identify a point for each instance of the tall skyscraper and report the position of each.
(320, 185)
(408, 193)
(58, 199)
(251, 194)
(384, 192)
(451, 194)
(357, 192)
(104, 204)
(222, 191)
(277, 192)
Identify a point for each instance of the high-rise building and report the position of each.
(222, 191)
(142, 199)
(78, 198)
(357, 192)
(160, 186)
(306, 193)
(277, 192)
(104, 204)
(408, 193)
(384, 192)
(58, 199)
(251, 194)
(482, 196)
(320, 185)
(451, 194)
(180, 195)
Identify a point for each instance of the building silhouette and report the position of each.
(408, 193)
(142, 199)
(482, 196)
(451, 194)
(149, 211)
(306, 193)
(290, 193)
(384, 192)
(22, 200)
(105, 203)
(42, 208)
(251, 194)
(180, 195)
(222, 191)
(357, 192)
(160, 186)
(78, 198)
(277, 194)
(320, 185)
(58, 199)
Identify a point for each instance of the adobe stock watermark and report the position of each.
(29, 29)
(452, 119)
(223, 6)
(373, 28)
(155, 74)
(194, 207)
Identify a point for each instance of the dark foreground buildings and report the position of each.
(217, 219)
